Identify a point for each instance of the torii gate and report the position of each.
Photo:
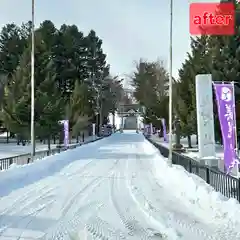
(123, 114)
(129, 109)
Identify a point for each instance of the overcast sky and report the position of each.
(130, 29)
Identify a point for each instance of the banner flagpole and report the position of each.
(235, 126)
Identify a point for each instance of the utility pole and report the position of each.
(170, 85)
(100, 111)
(100, 101)
(94, 87)
(32, 84)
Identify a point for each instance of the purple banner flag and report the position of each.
(226, 113)
(164, 129)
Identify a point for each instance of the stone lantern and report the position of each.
(178, 147)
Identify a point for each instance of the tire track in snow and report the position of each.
(150, 206)
(31, 214)
(20, 200)
(66, 228)
(225, 231)
(24, 199)
(173, 217)
(95, 226)
(28, 205)
(30, 200)
(43, 207)
(102, 230)
(95, 183)
(156, 230)
(153, 212)
(131, 224)
(35, 214)
(99, 228)
(72, 215)
(80, 170)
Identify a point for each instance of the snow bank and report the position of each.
(12, 149)
(13, 165)
(193, 191)
(19, 176)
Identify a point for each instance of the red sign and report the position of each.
(212, 19)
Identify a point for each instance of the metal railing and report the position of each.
(26, 158)
(229, 186)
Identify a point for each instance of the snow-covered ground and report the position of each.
(191, 152)
(116, 188)
(194, 153)
(12, 149)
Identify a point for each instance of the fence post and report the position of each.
(207, 175)
(10, 161)
(238, 190)
(190, 166)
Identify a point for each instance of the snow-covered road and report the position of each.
(116, 188)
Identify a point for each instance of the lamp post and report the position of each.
(170, 85)
(32, 84)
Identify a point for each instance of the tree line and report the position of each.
(216, 55)
(72, 79)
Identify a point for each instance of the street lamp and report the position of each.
(170, 84)
(32, 86)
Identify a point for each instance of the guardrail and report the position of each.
(228, 185)
(26, 158)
